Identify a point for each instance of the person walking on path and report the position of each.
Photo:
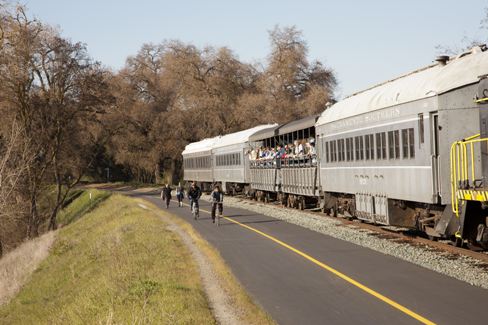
(166, 195)
(180, 194)
(217, 201)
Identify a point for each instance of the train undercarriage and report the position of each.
(435, 222)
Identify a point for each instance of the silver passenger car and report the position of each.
(197, 162)
(388, 147)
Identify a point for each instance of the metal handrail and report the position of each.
(302, 161)
(463, 169)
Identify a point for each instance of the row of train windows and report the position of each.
(197, 162)
(230, 159)
(363, 147)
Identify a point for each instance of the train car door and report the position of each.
(435, 161)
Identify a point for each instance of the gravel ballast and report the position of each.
(463, 268)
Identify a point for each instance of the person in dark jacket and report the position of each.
(194, 195)
(217, 201)
(166, 195)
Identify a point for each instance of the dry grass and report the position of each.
(18, 265)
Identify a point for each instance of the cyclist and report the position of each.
(194, 195)
(217, 201)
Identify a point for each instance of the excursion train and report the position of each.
(411, 152)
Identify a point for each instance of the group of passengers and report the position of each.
(299, 148)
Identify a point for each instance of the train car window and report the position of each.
(340, 149)
(383, 144)
(371, 148)
(421, 128)
(367, 146)
(339, 152)
(326, 151)
(378, 146)
(411, 142)
(329, 147)
(349, 149)
(396, 137)
(335, 150)
(333, 156)
(405, 143)
(361, 148)
(391, 145)
(356, 140)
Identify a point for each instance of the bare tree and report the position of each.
(14, 159)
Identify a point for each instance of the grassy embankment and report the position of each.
(119, 264)
(116, 264)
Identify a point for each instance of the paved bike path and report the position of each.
(297, 290)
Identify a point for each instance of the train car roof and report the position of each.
(301, 124)
(241, 136)
(203, 145)
(430, 81)
(276, 129)
(265, 133)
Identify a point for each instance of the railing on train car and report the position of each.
(265, 163)
(304, 161)
(289, 162)
(463, 171)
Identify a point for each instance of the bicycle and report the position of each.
(217, 208)
(219, 216)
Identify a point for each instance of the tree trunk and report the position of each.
(53, 223)
(33, 225)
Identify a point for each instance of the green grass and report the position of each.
(81, 204)
(116, 265)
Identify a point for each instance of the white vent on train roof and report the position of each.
(442, 59)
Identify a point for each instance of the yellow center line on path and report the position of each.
(335, 272)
